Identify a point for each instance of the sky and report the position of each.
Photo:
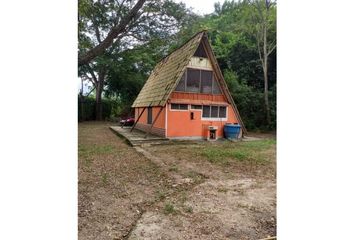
(201, 6)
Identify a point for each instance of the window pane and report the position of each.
(174, 106)
(216, 88)
(214, 111)
(193, 79)
(181, 85)
(222, 112)
(183, 106)
(196, 106)
(206, 111)
(207, 78)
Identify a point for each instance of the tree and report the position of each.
(100, 23)
(232, 31)
(263, 18)
(120, 26)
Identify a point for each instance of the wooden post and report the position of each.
(138, 119)
(153, 122)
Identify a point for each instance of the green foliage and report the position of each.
(232, 34)
(232, 31)
(233, 37)
(87, 109)
(170, 209)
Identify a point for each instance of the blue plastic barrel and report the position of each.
(232, 131)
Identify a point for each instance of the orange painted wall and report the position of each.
(160, 122)
(180, 124)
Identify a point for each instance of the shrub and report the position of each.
(87, 109)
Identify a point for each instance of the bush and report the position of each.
(250, 103)
(87, 109)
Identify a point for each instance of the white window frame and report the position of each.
(215, 119)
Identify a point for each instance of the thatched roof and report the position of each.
(166, 74)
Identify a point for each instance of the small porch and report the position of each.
(137, 137)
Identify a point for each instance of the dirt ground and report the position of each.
(198, 190)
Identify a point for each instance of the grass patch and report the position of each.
(183, 197)
(223, 190)
(196, 177)
(169, 209)
(259, 144)
(248, 152)
(161, 195)
(188, 209)
(173, 168)
(87, 152)
(105, 178)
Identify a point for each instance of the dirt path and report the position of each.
(169, 192)
(226, 203)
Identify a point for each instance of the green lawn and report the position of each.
(251, 152)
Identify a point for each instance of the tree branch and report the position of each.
(90, 79)
(97, 32)
(113, 33)
(271, 50)
(90, 91)
(94, 78)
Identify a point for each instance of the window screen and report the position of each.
(196, 106)
(183, 106)
(179, 106)
(222, 112)
(206, 111)
(149, 116)
(182, 83)
(216, 88)
(207, 78)
(174, 106)
(214, 111)
(193, 79)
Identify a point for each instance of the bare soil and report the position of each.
(171, 191)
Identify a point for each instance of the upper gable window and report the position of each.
(193, 80)
(198, 81)
(206, 81)
(200, 52)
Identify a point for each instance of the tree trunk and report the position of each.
(265, 74)
(99, 90)
(82, 117)
(266, 100)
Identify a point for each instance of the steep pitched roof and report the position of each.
(166, 74)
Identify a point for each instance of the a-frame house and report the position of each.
(186, 94)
